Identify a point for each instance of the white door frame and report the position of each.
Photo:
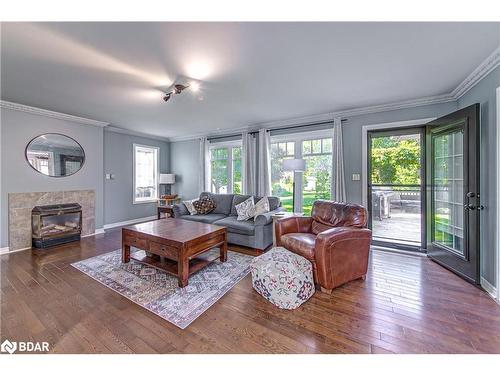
(364, 146)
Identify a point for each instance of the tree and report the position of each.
(395, 161)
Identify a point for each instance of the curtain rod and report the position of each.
(273, 129)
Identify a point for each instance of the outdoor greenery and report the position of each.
(316, 178)
(219, 172)
(395, 161)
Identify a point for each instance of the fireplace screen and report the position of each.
(56, 224)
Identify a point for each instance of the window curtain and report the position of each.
(204, 177)
(264, 167)
(248, 167)
(338, 178)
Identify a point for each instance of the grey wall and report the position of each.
(118, 160)
(17, 129)
(185, 160)
(485, 94)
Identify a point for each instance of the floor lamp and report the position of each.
(294, 165)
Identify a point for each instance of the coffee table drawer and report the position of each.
(164, 250)
(140, 243)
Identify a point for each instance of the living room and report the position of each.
(241, 187)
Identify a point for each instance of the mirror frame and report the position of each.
(64, 135)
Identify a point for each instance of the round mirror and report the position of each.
(55, 155)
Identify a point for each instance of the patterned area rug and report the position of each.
(159, 292)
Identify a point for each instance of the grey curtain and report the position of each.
(338, 178)
(248, 165)
(204, 180)
(264, 167)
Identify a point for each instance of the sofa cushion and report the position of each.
(235, 226)
(237, 199)
(223, 202)
(261, 206)
(208, 218)
(204, 205)
(245, 210)
(274, 202)
(300, 243)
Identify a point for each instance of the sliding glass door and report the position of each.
(395, 187)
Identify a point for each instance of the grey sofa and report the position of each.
(255, 233)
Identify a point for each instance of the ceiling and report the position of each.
(250, 73)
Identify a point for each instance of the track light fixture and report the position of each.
(176, 89)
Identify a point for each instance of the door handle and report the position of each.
(470, 194)
(469, 207)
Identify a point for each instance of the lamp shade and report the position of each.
(167, 178)
(295, 165)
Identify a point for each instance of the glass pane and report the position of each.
(396, 160)
(396, 199)
(290, 148)
(396, 214)
(306, 147)
(219, 170)
(236, 170)
(448, 213)
(281, 181)
(146, 169)
(327, 145)
(317, 180)
(316, 146)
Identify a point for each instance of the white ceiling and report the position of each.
(250, 72)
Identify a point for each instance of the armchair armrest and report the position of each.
(294, 224)
(266, 218)
(180, 210)
(341, 255)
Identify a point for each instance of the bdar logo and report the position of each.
(9, 347)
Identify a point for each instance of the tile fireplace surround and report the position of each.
(21, 204)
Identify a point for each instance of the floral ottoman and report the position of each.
(283, 278)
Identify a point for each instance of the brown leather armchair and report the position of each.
(334, 238)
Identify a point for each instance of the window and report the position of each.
(312, 184)
(145, 173)
(317, 178)
(225, 164)
(282, 181)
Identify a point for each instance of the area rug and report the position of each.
(158, 291)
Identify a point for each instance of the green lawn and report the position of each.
(309, 198)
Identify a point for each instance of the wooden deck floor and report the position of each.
(407, 305)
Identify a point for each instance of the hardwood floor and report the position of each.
(407, 305)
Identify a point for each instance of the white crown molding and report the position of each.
(52, 114)
(307, 120)
(491, 62)
(115, 129)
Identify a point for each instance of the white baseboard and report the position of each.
(97, 231)
(490, 289)
(129, 222)
(6, 250)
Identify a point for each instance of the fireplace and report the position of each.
(56, 224)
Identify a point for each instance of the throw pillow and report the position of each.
(190, 207)
(261, 207)
(204, 205)
(245, 209)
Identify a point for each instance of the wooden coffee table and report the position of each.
(182, 244)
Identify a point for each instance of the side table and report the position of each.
(168, 210)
